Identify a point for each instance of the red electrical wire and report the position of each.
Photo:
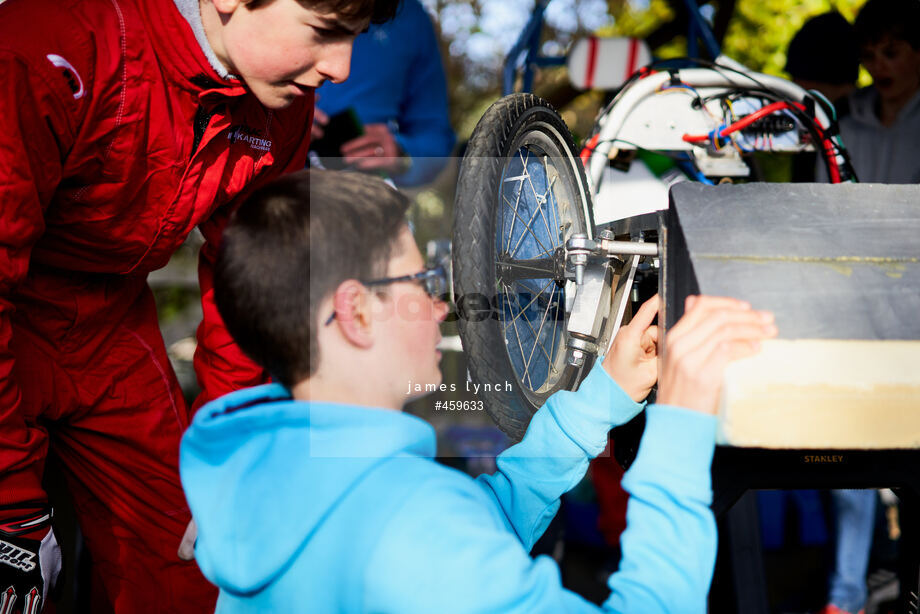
(589, 149)
(773, 107)
(745, 121)
(833, 167)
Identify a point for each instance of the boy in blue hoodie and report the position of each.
(316, 494)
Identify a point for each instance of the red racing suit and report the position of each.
(117, 138)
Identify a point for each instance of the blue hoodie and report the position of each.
(397, 78)
(318, 507)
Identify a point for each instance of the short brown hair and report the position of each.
(899, 19)
(379, 11)
(288, 247)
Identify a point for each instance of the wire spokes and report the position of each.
(532, 228)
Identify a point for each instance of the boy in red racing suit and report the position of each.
(125, 124)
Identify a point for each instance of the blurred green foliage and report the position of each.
(760, 30)
(173, 301)
(758, 33)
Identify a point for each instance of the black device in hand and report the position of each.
(341, 128)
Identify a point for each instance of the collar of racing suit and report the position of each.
(186, 57)
(191, 10)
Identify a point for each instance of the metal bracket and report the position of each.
(589, 312)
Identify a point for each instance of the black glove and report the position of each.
(29, 566)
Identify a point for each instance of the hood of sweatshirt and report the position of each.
(262, 472)
(863, 103)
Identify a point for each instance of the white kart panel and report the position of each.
(605, 63)
(627, 194)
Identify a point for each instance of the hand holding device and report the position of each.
(375, 150)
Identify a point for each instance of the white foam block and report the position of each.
(824, 394)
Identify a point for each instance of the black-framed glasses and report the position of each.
(433, 280)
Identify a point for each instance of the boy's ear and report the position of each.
(353, 312)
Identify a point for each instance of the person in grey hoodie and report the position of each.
(882, 130)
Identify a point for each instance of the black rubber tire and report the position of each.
(476, 209)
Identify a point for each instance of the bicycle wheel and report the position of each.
(521, 194)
